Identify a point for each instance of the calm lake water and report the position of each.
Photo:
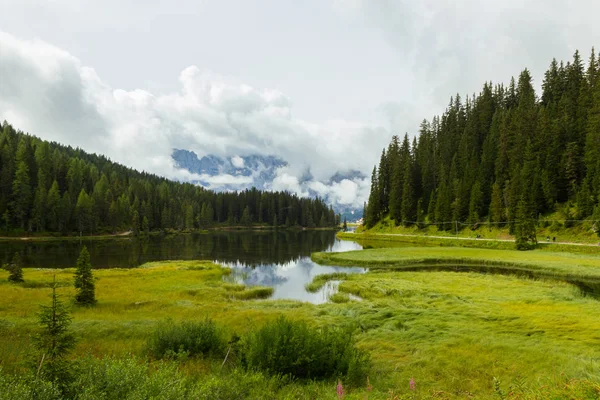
(280, 259)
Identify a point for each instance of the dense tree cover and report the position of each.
(503, 156)
(47, 187)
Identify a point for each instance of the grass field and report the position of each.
(458, 335)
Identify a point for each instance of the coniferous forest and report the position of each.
(48, 187)
(503, 157)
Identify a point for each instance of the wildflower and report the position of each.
(340, 390)
(369, 386)
(412, 383)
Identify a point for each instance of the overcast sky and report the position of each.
(320, 83)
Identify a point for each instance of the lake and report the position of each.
(280, 259)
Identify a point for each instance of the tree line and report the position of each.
(504, 156)
(48, 187)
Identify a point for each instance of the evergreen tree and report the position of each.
(345, 226)
(15, 269)
(246, 219)
(54, 341)
(84, 279)
(21, 194)
(409, 211)
(373, 210)
(525, 230)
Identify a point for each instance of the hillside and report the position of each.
(47, 187)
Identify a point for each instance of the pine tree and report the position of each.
(345, 226)
(409, 211)
(84, 279)
(15, 269)
(83, 212)
(373, 210)
(54, 341)
(525, 231)
(21, 194)
(246, 218)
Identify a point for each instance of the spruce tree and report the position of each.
(15, 269)
(525, 230)
(54, 341)
(373, 206)
(84, 280)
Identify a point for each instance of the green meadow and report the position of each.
(458, 335)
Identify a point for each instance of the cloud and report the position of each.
(49, 93)
(237, 161)
(450, 46)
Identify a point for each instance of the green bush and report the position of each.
(292, 348)
(187, 338)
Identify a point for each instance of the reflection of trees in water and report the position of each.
(251, 248)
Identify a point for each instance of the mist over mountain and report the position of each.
(271, 173)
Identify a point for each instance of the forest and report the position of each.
(503, 157)
(46, 187)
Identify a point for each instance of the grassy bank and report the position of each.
(459, 241)
(581, 232)
(557, 265)
(453, 333)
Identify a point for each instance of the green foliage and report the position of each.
(84, 279)
(294, 348)
(15, 269)
(191, 338)
(54, 342)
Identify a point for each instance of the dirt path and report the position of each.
(480, 239)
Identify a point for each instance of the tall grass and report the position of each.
(320, 280)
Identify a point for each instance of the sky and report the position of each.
(322, 84)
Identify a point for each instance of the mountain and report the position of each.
(260, 172)
(261, 169)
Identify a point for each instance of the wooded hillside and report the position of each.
(48, 187)
(504, 156)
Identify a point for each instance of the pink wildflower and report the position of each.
(340, 390)
(412, 383)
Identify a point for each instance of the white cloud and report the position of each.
(237, 161)
(49, 93)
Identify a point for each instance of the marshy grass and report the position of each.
(252, 292)
(554, 265)
(320, 280)
(452, 332)
(340, 297)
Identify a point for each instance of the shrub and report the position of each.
(191, 338)
(285, 347)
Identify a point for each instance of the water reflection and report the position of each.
(280, 259)
(288, 279)
(253, 248)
